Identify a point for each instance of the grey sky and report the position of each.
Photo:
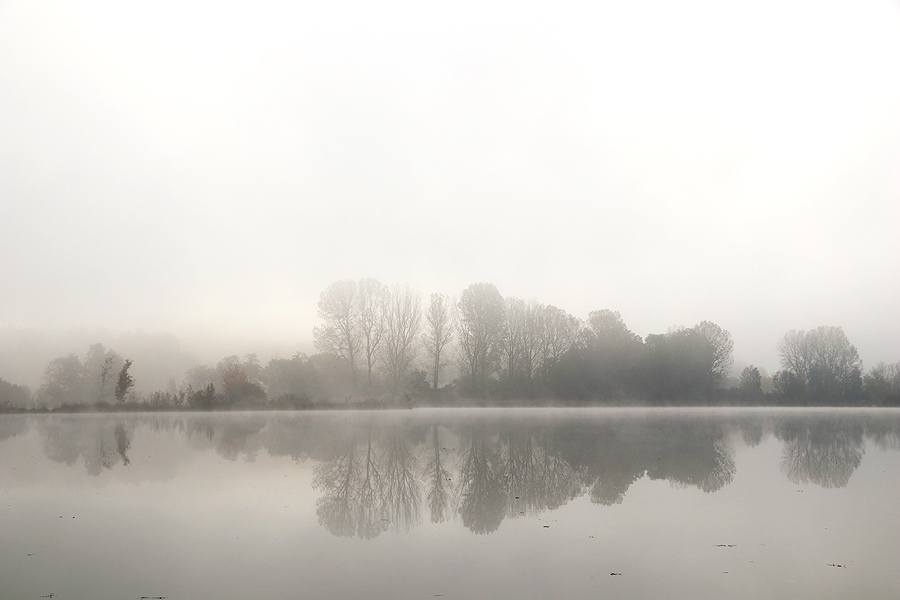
(207, 168)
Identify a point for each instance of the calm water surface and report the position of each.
(498, 504)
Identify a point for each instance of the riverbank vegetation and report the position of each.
(381, 347)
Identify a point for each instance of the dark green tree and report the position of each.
(125, 382)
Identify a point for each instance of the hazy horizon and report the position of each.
(207, 170)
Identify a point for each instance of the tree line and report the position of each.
(387, 345)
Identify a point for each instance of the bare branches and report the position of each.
(438, 332)
(402, 323)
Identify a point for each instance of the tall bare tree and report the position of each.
(531, 339)
(340, 333)
(371, 298)
(402, 323)
(723, 347)
(438, 333)
(513, 334)
(480, 327)
(794, 352)
(824, 352)
(559, 331)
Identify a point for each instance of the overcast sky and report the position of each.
(208, 168)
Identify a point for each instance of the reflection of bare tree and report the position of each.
(824, 453)
(371, 498)
(336, 478)
(610, 489)
(438, 481)
(483, 506)
(559, 479)
(353, 502)
(402, 491)
(536, 477)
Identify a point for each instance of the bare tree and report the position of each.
(559, 331)
(794, 352)
(824, 348)
(480, 326)
(723, 347)
(438, 332)
(531, 338)
(831, 350)
(340, 333)
(371, 298)
(512, 336)
(402, 323)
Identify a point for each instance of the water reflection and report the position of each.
(383, 472)
(823, 452)
(441, 493)
(97, 443)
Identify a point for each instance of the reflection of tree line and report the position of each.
(382, 474)
(99, 444)
(495, 473)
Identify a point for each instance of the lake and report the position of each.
(452, 503)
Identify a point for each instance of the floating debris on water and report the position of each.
(615, 573)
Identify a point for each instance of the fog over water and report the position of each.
(204, 171)
(529, 503)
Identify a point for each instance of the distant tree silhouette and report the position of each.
(826, 368)
(438, 334)
(124, 383)
(480, 319)
(723, 348)
(371, 303)
(882, 384)
(63, 382)
(750, 386)
(340, 333)
(100, 369)
(402, 324)
(13, 396)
